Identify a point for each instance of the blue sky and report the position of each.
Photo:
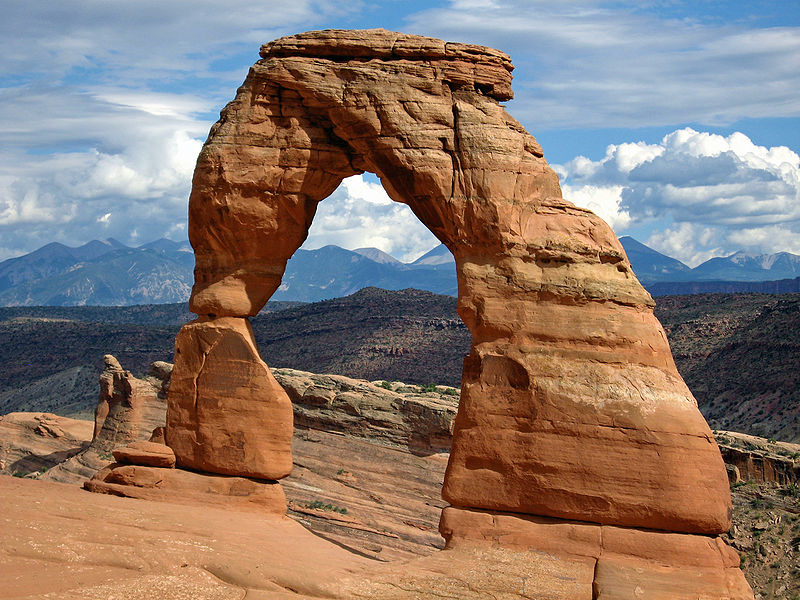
(678, 122)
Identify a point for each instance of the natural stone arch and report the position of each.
(571, 403)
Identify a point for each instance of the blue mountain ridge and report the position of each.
(107, 273)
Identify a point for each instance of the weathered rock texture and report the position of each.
(148, 454)
(404, 416)
(127, 411)
(227, 414)
(754, 459)
(178, 486)
(570, 380)
(36, 442)
(129, 408)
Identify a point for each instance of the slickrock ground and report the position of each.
(35, 442)
(391, 497)
(62, 543)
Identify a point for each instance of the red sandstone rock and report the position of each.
(31, 442)
(185, 487)
(149, 454)
(627, 564)
(127, 411)
(423, 423)
(570, 381)
(129, 408)
(227, 414)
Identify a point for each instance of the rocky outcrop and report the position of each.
(749, 458)
(569, 381)
(397, 414)
(227, 414)
(178, 486)
(148, 454)
(128, 410)
(605, 562)
(36, 442)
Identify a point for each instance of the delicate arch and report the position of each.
(569, 381)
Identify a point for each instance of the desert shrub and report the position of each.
(319, 505)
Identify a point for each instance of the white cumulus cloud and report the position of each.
(359, 214)
(715, 194)
(588, 63)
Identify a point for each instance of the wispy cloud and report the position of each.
(594, 64)
(103, 108)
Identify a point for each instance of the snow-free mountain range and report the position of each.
(109, 273)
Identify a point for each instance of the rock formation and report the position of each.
(129, 408)
(128, 411)
(404, 416)
(571, 405)
(36, 442)
(754, 459)
(227, 414)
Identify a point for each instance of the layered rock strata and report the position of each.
(606, 562)
(571, 404)
(407, 418)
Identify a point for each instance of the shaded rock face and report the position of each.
(569, 380)
(754, 459)
(129, 408)
(128, 411)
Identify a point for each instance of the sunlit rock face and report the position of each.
(572, 407)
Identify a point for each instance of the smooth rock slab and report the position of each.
(226, 413)
(149, 454)
(627, 563)
(186, 487)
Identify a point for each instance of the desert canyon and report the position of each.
(580, 465)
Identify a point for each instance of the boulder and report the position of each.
(227, 414)
(149, 454)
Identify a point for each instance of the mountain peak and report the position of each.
(377, 255)
(440, 255)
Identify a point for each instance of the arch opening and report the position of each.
(569, 378)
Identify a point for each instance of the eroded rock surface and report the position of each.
(148, 454)
(178, 486)
(570, 379)
(397, 415)
(127, 411)
(571, 405)
(129, 408)
(36, 442)
(227, 414)
(750, 458)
